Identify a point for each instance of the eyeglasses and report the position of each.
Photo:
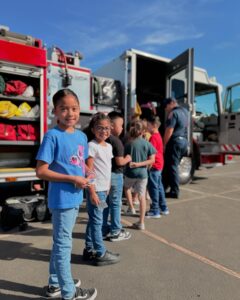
(101, 128)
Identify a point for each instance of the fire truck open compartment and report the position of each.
(19, 153)
(151, 80)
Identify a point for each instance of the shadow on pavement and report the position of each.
(19, 287)
(12, 250)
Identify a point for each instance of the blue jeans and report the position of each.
(63, 221)
(176, 148)
(94, 240)
(156, 191)
(114, 201)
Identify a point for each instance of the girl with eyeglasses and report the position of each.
(99, 162)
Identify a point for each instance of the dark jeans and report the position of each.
(156, 191)
(176, 148)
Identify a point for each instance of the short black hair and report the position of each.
(57, 97)
(113, 115)
(167, 101)
(154, 120)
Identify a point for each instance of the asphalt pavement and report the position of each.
(193, 253)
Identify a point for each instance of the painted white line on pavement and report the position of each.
(220, 195)
(188, 252)
(222, 174)
(179, 201)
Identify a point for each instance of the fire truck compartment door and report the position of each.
(80, 84)
(180, 82)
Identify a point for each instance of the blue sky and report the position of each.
(102, 30)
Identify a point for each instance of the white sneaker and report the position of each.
(138, 225)
(121, 236)
(130, 212)
(165, 212)
(136, 202)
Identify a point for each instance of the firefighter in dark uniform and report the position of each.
(175, 144)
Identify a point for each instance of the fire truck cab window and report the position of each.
(178, 90)
(233, 100)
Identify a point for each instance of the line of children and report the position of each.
(136, 173)
(61, 161)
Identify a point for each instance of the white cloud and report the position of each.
(153, 23)
(169, 36)
(225, 45)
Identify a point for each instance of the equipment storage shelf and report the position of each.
(19, 98)
(24, 119)
(20, 130)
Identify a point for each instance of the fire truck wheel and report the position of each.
(186, 170)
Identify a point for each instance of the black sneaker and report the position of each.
(55, 291)
(106, 237)
(88, 255)
(86, 294)
(171, 195)
(108, 258)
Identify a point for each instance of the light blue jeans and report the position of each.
(63, 221)
(94, 240)
(114, 201)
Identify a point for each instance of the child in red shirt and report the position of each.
(155, 186)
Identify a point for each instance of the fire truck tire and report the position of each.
(186, 170)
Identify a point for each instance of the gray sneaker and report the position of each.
(108, 258)
(86, 294)
(130, 212)
(121, 236)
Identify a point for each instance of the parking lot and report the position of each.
(194, 253)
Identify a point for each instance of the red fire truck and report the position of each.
(27, 82)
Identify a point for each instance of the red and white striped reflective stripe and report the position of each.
(230, 148)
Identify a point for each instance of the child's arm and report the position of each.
(149, 161)
(91, 188)
(122, 161)
(43, 172)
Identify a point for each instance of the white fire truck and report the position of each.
(213, 132)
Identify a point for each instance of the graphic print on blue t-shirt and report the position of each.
(78, 159)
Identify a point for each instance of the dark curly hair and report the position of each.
(95, 120)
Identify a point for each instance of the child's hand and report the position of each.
(129, 157)
(91, 176)
(133, 165)
(94, 199)
(81, 182)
